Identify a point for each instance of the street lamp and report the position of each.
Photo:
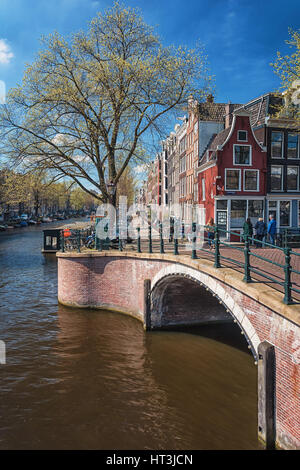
(111, 187)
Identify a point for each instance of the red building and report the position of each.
(232, 175)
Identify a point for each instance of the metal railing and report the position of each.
(219, 248)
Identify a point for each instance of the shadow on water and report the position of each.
(227, 333)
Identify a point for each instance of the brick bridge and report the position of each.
(164, 290)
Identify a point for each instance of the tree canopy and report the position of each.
(88, 104)
(287, 67)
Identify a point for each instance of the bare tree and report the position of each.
(87, 105)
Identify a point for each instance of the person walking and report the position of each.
(210, 228)
(261, 231)
(247, 229)
(272, 229)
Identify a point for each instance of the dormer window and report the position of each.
(242, 154)
(242, 136)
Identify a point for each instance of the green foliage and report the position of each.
(287, 67)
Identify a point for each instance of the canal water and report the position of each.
(82, 379)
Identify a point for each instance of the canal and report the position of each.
(77, 379)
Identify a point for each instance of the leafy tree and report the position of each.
(287, 67)
(88, 102)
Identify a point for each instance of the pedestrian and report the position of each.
(210, 228)
(261, 231)
(247, 229)
(272, 229)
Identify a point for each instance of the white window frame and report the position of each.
(282, 146)
(233, 169)
(242, 145)
(282, 176)
(278, 211)
(244, 181)
(203, 195)
(298, 146)
(242, 140)
(292, 190)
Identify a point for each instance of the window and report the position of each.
(238, 213)
(276, 178)
(273, 209)
(293, 146)
(242, 136)
(255, 210)
(251, 180)
(232, 180)
(242, 154)
(292, 178)
(277, 145)
(284, 213)
(203, 189)
(222, 204)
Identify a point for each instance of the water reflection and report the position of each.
(84, 379)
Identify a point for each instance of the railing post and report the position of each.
(62, 240)
(150, 237)
(161, 238)
(78, 241)
(217, 248)
(287, 278)
(182, 231)
(285, 238)
(194, 239)
(139, 240)
(176, 246)
(247, 276)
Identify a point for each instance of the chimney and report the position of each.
(210, 98)
(228, 114)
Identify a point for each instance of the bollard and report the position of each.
(287, 277)
(266, 394)
(217, 248)
(247, 276)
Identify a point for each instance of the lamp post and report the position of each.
(111, 189)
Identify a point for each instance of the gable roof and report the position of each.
(211, 111)
(262, 107)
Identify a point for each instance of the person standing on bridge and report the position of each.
(261, 231)
(272, 229)
(210, 228)
(247, 228)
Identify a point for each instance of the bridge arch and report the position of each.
(173, 279)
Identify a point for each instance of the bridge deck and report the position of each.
(275, 255)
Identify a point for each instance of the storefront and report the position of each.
(285, 209)
(231, 213)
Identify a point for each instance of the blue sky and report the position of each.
(241, 37)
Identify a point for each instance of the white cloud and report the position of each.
(5, 52)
